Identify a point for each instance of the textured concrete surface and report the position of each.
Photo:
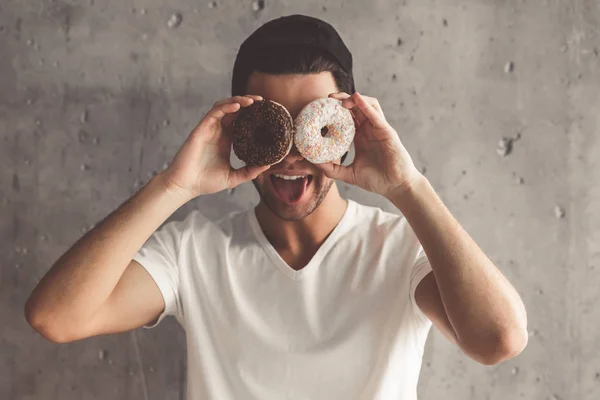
(96, 95)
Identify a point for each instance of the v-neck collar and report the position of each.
(318, 256)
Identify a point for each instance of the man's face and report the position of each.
(292, 199)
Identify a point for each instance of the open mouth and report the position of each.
(291, 188)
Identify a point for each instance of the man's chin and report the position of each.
(288, 212)
(294, 211)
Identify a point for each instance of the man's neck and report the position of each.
(305, 235)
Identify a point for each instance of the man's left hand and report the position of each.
(381, 163)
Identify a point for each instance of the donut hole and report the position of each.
(324, 131)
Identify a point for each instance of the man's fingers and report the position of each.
(218, 112)
(244, 174)
(362, 107)
(348, 103)
(374, 116)
(358, 117)
(236, 99)
(243, 100)
(255, 97)
(352, 102)
(375, 103)
(336, 171)
(339, 95)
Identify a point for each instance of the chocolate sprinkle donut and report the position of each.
(262, 133)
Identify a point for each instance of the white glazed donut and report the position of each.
(320, 113)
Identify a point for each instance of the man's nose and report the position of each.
(294, 155)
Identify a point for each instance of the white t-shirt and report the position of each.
(344, 327)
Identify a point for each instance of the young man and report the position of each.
(321, 299)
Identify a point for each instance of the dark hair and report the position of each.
(299, 59)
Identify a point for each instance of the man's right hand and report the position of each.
(96, 287)
(201, 166)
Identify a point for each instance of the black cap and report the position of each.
(289, 30)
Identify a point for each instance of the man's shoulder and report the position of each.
(375, 223)
(232, 218)
(379, 228)
(198, 221)
(375, 216)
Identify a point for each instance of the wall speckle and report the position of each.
(96, 97)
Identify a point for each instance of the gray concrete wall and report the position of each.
(96, 95)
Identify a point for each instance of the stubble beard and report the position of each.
(320, 189)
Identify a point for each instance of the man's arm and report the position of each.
(466, 296)
(95, 287)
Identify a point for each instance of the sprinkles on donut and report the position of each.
(263, 133)
(328, 115)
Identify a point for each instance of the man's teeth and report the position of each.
(290, 177)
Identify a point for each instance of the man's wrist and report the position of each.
(406, 194)
(172, 191)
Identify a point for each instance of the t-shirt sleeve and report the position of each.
(160, 257)
(421, 268)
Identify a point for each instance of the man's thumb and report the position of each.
(244, 174)
(336, 171)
